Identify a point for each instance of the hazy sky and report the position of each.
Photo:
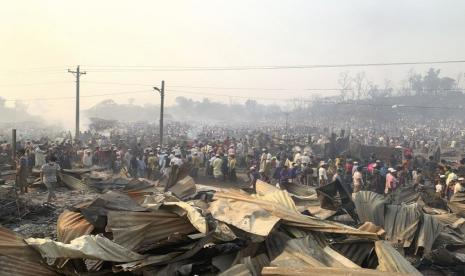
(40, 40)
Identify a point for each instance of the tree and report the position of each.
(432, 82)
(360, 85)
(345, 84)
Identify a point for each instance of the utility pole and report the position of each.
(162, 104)
(78, 74)
(13, 145)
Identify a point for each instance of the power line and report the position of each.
(129, 68)
(33, 84)
(82, 96)
(255, 88)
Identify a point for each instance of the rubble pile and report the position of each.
(177, 227)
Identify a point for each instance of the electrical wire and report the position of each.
(129, 68)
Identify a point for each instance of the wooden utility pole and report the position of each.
(162, 104)
(78, 74)
(13, 146)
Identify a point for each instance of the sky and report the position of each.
(40, 40)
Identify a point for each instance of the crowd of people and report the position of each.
(268, 152)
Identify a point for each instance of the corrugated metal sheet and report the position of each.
(429, 230)
(323, 271)
(359, 251)
(71, 225)
(73, 183)
(17, 266)
(391, 261)
(401, 223)
(17, 258)
(308, 252)
(370, 207)
(299, 190)
(272, 212)
(184, 187)
(135, 230)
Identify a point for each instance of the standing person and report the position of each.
(39, 156)
(152, 165)
(217, 165)
(439, 189)
(265, 165)
(87, 159)
(22, 173)
(418, 179)
(49, 176)
(285, 175)
(195, 165)
(133, 165)
(141, 167)
(322, 176)
(358, 180)
(391, 181)
(224, 166)
(254, 176)
(232, 168)
(117, 165)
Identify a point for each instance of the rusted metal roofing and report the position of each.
(17, 258)
(71, 225)
(222, 209)
(140, 229)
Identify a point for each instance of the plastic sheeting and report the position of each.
(86, 247)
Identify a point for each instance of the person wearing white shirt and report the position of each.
(322, 176)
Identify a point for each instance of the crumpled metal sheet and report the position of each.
(429, 230)
(457, 204)
(135, 230)
(334, 196)
(73, 183)
(279, 197)
(86, 247)
(392, 261)
(371, 227)
(154, 259)
(370, 207)
(259, 216)
(71, 225)
(323, 271)
(246, 216)
(309, 252)
(184, 187)
(300, 191)
(18, 259)
(194, 216)
(401, 223)
(358, 251)
(96, 212)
